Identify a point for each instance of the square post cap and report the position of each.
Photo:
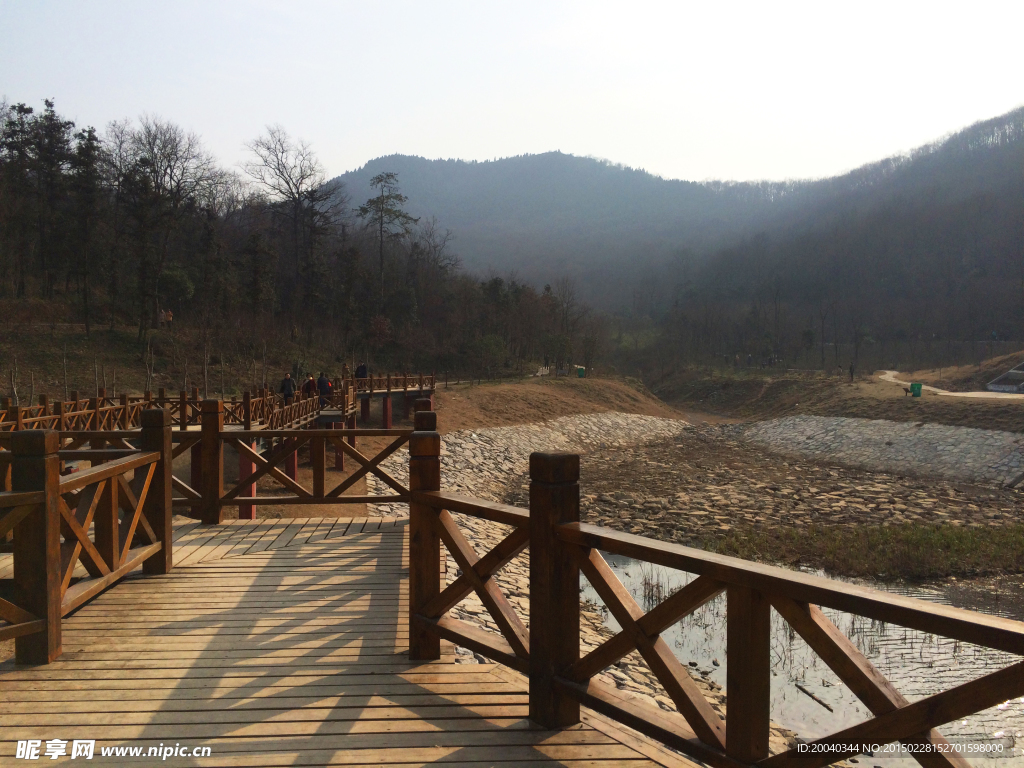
(35, 442)
(554, 467)
(425, 421)
(156, 417)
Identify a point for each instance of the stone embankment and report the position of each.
(956, 453)
(483, 463)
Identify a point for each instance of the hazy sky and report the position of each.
(685, 90)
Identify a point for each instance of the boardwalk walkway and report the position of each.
(281, 643)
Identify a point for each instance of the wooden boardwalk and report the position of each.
(281, 643)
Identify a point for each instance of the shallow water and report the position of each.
(917, 663)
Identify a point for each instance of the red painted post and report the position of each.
(183, 411)
(352, 425)
(385, 406)
(246, 467)
(196, 466)
(291, 462)
(339, 455)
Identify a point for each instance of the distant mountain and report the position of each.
(546, 215)
(615, 228)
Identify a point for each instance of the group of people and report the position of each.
(313, 386)
(309, 388)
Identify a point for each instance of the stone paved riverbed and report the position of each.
(958, 453)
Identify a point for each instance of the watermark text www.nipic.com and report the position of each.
(85, 749)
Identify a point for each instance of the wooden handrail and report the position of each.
(20, 498)
(104, 471)
(487, 510)
(956, 623)
(560, 679)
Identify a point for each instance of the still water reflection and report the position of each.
(917, 663)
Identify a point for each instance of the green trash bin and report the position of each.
(915, 389)
(581, 372)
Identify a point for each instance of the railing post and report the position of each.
(212, 460)
(364, 407)
(554, 586)
(36, 467)
(246, 467)
(183, 411)
(339, 455)
(247, 410)
(385, 407)
(748, 674)
(291, 461)
(318, 462)
(424, 541)
(156, 436)
(351, 424)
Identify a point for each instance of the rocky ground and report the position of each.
(483, 462)
(959, 453)
(707, 480)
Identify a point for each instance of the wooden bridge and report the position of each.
(325, 641)
(262, 409)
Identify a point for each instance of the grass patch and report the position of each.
(891, 553)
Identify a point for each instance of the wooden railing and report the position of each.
(262, 408)
(560, 680)
(207, 496)
(97, 517)
(392, 382)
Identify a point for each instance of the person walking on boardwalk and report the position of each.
(361, 372)
(288, 388)
(308, 387)
(324, 385)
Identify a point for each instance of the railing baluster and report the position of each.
(156, 436)
(318, 460)
(554, 586)
(748, 674)
(36, 467)
(212, 461)
(424, 541)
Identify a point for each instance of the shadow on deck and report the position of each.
(282, 643)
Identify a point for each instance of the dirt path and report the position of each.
(890, 376)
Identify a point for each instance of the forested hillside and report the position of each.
(927, 248)
(103, 229)
(490, 266)
(929, 244)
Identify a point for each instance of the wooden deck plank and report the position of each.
(281, 643)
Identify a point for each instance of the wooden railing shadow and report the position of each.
(328, 659)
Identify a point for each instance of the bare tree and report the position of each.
(291, 175)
